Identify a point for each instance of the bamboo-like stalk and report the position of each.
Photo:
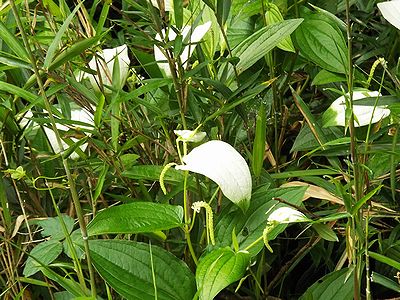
(358, 184)
(71, 182)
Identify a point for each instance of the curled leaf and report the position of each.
(220, 162)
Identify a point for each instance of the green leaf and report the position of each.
(323, 44)
(17, 91)
(273, 15)
(325, 232)
(218, 269)
(45, 253)
(73, 51)
(331, 287)
(57, 39)
(52, 227)
(384, 281)
(259, 44)
(136, 217)
(12, 61)
(364, 199)
(384, 259)
(128, 268)
(257, 218)
(13, 43)
(223, 8)
(100, 182)
(178, 13)
(325, 77)
(250, 226)
(69, 285)
(259, 141)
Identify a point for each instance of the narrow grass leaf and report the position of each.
(384, 259)
(51, 52)
(384, 281)
(259, 141)
(71, 52)
(13, 43)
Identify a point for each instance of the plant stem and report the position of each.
(358, 180)
(71, 182)
(367, 267)
(187, 221)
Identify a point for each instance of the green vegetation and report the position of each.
(199, 149)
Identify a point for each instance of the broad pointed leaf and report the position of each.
(136, 217)
(127, 267)
(218, 269)
(44, 253)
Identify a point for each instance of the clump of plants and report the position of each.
(200, 149)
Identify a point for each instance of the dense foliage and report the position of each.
(199, 149)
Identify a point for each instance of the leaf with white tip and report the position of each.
(220, 162)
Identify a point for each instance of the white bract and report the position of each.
(391, 12)
(335, 115)
(190, 135)
(103, 64)
(285, 215)
(77, 114)
(220, 162)
(168, 4)
(189, 37)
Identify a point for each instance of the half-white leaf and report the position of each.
(335, 115)
(220, 162)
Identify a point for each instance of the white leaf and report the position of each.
(286, 215)
(195, 37)
(168, 4)
(220, 162)
(190, 135)
(391, 12)
(103, 63)
(364, 114)
(77, 114)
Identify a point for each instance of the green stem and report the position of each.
(358, 180)
(393, 163)
(253, 243)
(187, 221)
(74, 255)
(71, 182)
(367, 267)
